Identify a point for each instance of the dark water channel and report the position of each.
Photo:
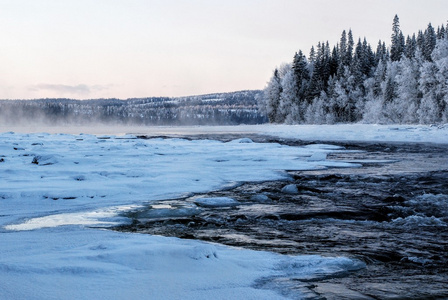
(392, 216)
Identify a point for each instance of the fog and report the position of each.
(75, 116)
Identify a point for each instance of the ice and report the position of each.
(168, 211)
(318, 156)
(242, 141)
(216, 202)
(100, 217)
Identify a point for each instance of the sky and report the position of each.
(84, 49)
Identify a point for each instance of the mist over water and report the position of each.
(214, 109)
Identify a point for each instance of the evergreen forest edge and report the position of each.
(405, 83)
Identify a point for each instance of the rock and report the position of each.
(260, 198)
(290, 189)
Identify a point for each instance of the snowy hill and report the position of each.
(212, 109)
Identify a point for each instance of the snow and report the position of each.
(53, 212)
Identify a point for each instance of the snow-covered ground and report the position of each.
(58, 190)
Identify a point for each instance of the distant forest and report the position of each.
(404, 83)
(213, 109)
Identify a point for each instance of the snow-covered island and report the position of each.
(60, 191)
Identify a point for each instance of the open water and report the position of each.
(392, 214)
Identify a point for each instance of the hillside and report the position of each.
(212, 109)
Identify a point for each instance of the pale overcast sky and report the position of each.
(140, 48)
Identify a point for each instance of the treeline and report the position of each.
(404, 83)
(214, 109)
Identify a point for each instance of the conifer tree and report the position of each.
(343, 50)
(440, 58)
(397, 46)
(381, 52)
(288, 98)
(302, 75)
(271, 96)
(405, 106)
(430, 42)
(334, 62)
(441, 32)
(420, 40)
(350, 46)
(407, 84)
(312, 55)
(411, 46)
(429, 111)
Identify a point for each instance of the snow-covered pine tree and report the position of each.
(316, 111)
(312, 55)
(404, 107)
(397, 38)
(271, 96)
(342, 53)
(373, 107)
(429, 111)
(351, 83)
(302, 76)
(440, 58)
(441, 32)
(334, 62)
(411, 46)
(429, 42)
(381, 52)
(288, 98)
(350, 45)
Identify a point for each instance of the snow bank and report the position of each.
(73, 263)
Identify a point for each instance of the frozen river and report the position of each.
(391, 213)
(349, 211)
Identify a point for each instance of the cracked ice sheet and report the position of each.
(83, 180)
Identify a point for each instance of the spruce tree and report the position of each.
(420, 41)
(397, 46)
(343, 49)
(430, 42)
(334, 62)
(302, 75)
(312, 55)
(407, 84)
(411, 46)
(350, 46)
